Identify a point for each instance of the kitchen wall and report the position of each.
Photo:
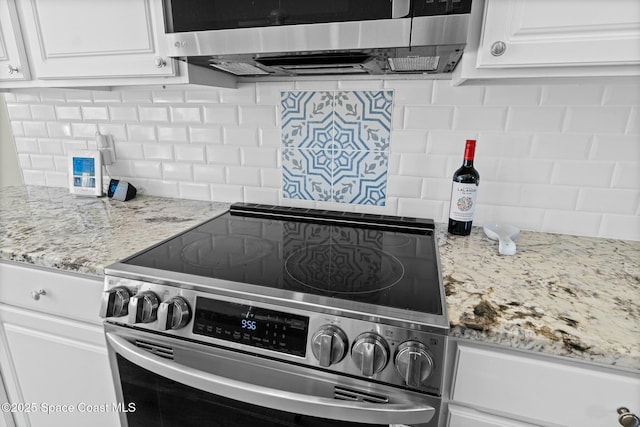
(10, 173)
(556, 158)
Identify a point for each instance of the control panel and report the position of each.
(386, 353)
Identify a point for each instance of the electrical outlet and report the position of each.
(107, 149)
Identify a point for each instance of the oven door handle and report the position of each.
(407, 411)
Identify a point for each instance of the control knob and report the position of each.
(143, 307)
(413, 363)
(370, 353)
(115, 302)
(173, 314)
(329, 345)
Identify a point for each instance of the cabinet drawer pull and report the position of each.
(627, 419)
(37, 294)
(13, 69)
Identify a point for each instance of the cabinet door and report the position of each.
(94, 38)
(550, 33)
(56, 365)
(465, 417)
(13, 62)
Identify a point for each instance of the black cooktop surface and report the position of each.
(381, 260)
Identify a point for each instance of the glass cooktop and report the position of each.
(381, 260)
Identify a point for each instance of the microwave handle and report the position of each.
(408, 412)
(400, 8)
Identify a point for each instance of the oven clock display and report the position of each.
(250, 325)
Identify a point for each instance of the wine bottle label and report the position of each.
(463, 201)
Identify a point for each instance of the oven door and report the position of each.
(170, 382)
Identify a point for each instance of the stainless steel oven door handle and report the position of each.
(405, 412)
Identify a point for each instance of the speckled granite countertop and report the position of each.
(49, 227)
(559, 295)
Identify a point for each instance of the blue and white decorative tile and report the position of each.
(363, 119)
(335, 145)
(360, 177)
(307, 118)
(306, 174)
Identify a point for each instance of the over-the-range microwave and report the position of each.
(294, 37)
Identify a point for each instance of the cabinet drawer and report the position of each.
(68, 295)
(549, 390)
(465, 417)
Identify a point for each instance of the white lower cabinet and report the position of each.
(466, 417)
(54, 367)
(493, 386)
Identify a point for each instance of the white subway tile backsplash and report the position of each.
(257, 115)
(572, 94)
(549, 197)
(512, 95)
(123, 114)
(623, 227)
(68, 112)
(243, 175)
(608, 200)
(84, 130)
(194, 191)
(404, 186)
(209, 134)
(626, 175)
(35, 129)
(141, 132)
(185, 114)
(616, 147)
(227, 193)
(562, 146)
(268, 93)
(411, 92)
(50, 146)
(562, 158)
(180, 172)
(572, 222)
(417, 117)
(406, 141)
(153, 114)
(215, 174)
(172, 134)
(583, 174)
(479, 118)
(167, 96)
(157, 151)
(597, 119)
(536, 119)
(147, 169)
(265, 157)
(221, 114)
(43, 112)
(240, 136)
(95, 113)
(446, 94)
(223, 154)
(193, 153)
(621, 95)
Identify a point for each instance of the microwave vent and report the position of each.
(414, 63)
(239, 68)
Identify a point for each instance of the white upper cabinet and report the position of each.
(94, 38)
(550, 33)
(91, 43)
(13, 61)
(552, 38)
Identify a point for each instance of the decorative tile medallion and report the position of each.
(335, 145)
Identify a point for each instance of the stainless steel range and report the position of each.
(276, 316)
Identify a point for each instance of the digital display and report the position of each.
(84, 172)
(250, 325)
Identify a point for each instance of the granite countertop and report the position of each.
(559, 295)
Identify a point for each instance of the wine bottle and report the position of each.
(463, 193)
